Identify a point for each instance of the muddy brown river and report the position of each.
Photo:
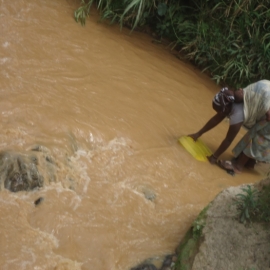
(108, 106)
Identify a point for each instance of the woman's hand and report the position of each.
(195, 136)
(212, 159)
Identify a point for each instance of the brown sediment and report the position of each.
(107, 107)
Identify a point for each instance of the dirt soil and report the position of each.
(229, 244)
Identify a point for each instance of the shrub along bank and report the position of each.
(228, 38)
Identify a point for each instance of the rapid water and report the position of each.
(108, 107)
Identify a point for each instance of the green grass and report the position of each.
(253, 205)
(247, 203)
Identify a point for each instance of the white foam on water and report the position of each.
(82, 166)
(110, 154)
(75, 202)
(6, 44)
(57, 186)
(26, 264)
(52, 261)
(65, 263)
(7, 113)
(3, 60)
(6, 74)
(118, 143)
(91, 137)
(47, 238)
(13, 202)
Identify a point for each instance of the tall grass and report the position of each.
(230, 39)
(131, 12)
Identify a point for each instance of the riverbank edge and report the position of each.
(218, 240)
(189, 246)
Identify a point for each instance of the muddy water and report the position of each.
(108, 108)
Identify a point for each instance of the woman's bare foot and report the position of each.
(228, 166)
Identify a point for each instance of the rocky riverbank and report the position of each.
(218, 240)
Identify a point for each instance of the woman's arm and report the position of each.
(231, 134)
(214, 121)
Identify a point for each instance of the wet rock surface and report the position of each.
(229, 244)
(159, 263)
(20, 171)
(145, 267)
(38, 201)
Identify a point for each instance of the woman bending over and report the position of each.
(248, 107)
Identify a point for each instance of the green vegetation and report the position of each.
(228, 39)
(263, 208)
(254, 204)
(247, 204)
(189, 246)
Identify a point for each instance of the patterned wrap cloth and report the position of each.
(223, 98)
(256, 143)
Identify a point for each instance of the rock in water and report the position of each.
(19, 172)
(38, 201)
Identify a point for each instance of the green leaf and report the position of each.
(247, 213)
(161, 9)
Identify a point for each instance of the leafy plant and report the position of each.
(247, 203)
(126, 12)
(199, 224)
(82, 12)
(197, 228)
(135, 10)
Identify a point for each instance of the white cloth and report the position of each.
(237, 113)
(256, 102)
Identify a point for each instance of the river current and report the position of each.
(108, 106)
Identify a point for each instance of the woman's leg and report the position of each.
(241, 161)
(250, 163)
(236, 165)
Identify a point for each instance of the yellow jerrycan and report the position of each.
(197, 149)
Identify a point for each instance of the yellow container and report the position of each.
(197, 149)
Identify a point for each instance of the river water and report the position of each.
(108, 106)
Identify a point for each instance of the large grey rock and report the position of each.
(229, 244)
(19, 172)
